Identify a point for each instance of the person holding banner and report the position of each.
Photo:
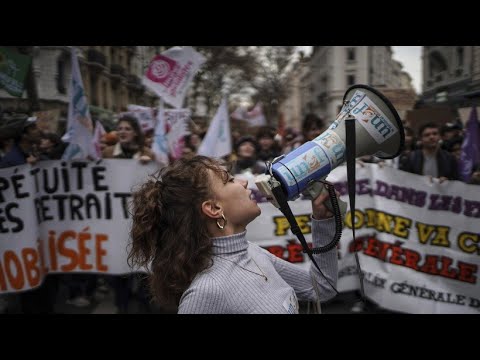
(130, 145)
(131, 142)
(189, 231)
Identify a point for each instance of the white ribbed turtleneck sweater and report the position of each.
(228, 288)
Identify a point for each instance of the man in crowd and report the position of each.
(431, 160)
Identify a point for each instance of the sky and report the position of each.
(409, 56)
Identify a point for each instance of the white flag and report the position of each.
(160, 144)
(218, 140)
(170, 73)
(255, 116)
(79, 126)
(176, 121)
(97, 138)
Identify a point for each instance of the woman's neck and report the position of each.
(228, 230)
(229, 244)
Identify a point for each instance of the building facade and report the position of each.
(111, 76)
(298, 82)
(333, 69)
(451, 76)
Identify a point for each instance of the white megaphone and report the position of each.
(378, 130)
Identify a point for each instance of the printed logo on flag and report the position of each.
(170, 74)
(162, 69)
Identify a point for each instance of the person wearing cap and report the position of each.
(450, 132)
(246, 150)
(26, 137)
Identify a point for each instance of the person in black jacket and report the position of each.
(431, 160)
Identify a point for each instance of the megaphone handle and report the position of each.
(316, 188)
(285, 209)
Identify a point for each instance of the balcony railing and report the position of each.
(117, 69)
(96, 57)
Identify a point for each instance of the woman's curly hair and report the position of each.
(169, 234)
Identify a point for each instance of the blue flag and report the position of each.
(470, 155)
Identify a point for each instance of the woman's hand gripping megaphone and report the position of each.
(320, 196)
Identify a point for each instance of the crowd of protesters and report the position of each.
(433, 151)
(21, 142)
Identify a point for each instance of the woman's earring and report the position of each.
(224, 222)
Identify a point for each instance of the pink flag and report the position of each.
(169, 74)
(239, 113)
(255, 116)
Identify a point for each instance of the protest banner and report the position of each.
(418, 241)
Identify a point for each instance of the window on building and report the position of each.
(122, 101)
(460, 56)
(129, 64)
(351, 54)
(114, 98)
(105, 95)
(112, 55)
(438, 64)
(93, 90)
(350, 80)
(61, 76)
